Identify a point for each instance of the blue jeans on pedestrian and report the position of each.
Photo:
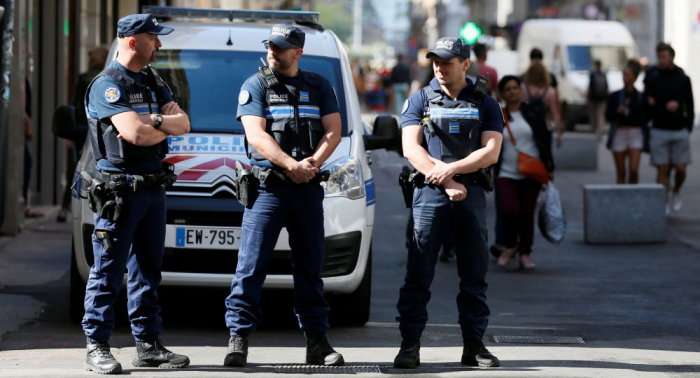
(137, 240)
(299, 208)
(434, 215)
(400, 93)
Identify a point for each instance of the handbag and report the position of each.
(528, 165)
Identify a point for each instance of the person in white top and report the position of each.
(516, 193)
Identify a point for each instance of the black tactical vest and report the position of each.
(293, 116)
(456, 124)
(103, 135)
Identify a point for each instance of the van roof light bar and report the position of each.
(303, 18)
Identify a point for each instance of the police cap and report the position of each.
(448, 48)
(286, 36)
(140, 23)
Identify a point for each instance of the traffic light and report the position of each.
(469, 32)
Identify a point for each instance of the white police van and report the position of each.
(205, 63)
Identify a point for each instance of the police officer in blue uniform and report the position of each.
(292, 125)
(450, 131)
(131, 113)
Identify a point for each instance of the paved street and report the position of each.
(637, 307)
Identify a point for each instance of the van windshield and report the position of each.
(581, 58)
(206, 83)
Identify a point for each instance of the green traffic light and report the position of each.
(470, 33)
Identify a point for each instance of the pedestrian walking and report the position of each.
(98, 57)
(597, 96)
(400, 81)
(451, 131)
(540, 95)
(285, 192)
(518, 193)
(628, 134)
(131, 113)
(668, 103)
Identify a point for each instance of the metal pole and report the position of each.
(357, 26)
(15, 130)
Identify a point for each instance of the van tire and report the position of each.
(353, 309)
(77, 290)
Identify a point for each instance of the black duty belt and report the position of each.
(464, 179)
(271, 176)
(137, 182)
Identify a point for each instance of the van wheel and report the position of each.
(353, 309)
(77, 290)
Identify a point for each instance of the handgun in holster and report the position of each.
(485, 179)
(168, 176)
(96, 191)
(406, 186)
(244, 184)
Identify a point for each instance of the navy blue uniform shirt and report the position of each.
(251, 100)
(100, 105)
(490, 114)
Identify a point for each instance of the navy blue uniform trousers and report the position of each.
(434, 216)
(299, 208)
(137, 240)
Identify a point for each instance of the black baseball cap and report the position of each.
(140, 23)
(448, 48)
(286, 36)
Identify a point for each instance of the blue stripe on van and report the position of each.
(369, 188)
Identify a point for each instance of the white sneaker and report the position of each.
(676, 201)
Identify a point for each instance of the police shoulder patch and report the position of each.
(244, 97)
(405, 107)
(112, 94)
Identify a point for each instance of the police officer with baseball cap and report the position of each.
(292, 125)
(450, 130)
(131, 113)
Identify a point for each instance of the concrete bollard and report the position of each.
(624, 213)
(577, 151)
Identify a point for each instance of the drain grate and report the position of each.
(318, 369)
(539, 339)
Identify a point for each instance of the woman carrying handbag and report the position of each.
(524, 165)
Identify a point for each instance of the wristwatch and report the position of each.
(159, 121)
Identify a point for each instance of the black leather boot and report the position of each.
(476, 354)
(319, 352)
(409, 355)
(237, 353)
(100, 360)
(154, 354)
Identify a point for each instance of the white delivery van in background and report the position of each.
(570, 47)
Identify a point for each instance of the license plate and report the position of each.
(203, 237)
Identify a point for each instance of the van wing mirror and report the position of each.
(64, 125)
(385, 134)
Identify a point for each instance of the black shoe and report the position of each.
(409, 355)
(100, 360)
(154, 354)
(447, 255)
(62, 216)
(237, 353)
(476, 354)
(496, 251)
(319, 352)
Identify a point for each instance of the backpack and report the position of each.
(536, 103)
(598, 87)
